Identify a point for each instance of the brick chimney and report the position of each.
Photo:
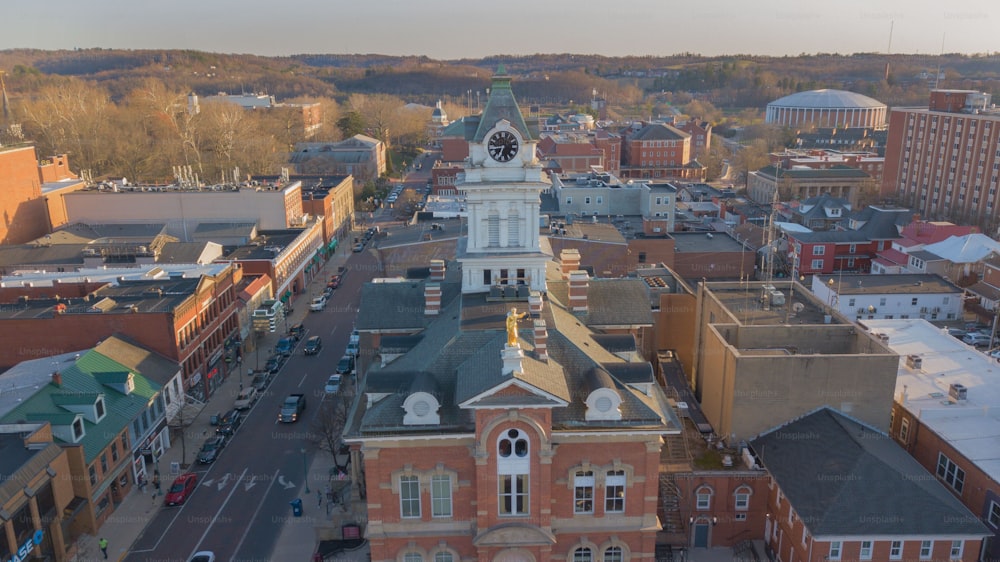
(541, 340)
(569, 260)
(578, 284)
(432, 299)
(437, 270)
(57, 378)
(535, 303)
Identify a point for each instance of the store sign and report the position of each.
(25, 550)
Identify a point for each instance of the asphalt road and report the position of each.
(242, 500)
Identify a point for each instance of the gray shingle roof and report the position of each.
(837, 473)
(659, 131)
(610, 302)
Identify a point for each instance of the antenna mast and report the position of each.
(888, 50)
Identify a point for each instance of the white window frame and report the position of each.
(956, 478)
(514, 469)
(957, 548)
(413, 557)
(836, 549)
(866, 550)
(441, 495)
(583, 492)
(819, 250)
(615, 482)
(741, 499)
(817, 264)
(583, 554)
(993, 515)
(617, 556)
(408, 484)
(895, 550)
(904, 430)
(926, 549)
(703, 499)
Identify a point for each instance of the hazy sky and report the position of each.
(451, 29)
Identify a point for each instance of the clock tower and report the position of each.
(502, 182)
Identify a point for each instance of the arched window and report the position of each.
(583, 554)
(443, 556)
(742, 498)
(513, 467)
(704, 498)
(413, 557)
(613, 554)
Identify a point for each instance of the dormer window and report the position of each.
(604, 404)
(99, 408)
(421, 409)
(78, 431)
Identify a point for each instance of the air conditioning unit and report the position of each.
(914, 362)
(957, 391)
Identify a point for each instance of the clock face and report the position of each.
(502, 146)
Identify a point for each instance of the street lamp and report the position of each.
(305, 469)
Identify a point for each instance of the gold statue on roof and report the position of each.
(512, 317)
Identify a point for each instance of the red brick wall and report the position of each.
(23, 210)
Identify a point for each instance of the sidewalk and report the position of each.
(124, 526)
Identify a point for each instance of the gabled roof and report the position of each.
(501, 105)
(82, 377)
(837, 472)
(610, 302)
(970, 248)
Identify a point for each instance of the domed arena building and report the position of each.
(827, 108)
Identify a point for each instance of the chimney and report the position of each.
(437, 270)
(569, 260)
(432, 299)
(541, 340)
(57, 378)
(578, 284)
(535, 303)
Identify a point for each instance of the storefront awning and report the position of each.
(332, 245)
(286, 296)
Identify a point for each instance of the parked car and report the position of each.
(977, 339)
(203, 556)
(273, 364)
(328, 293)
(345, 365)
(246, 398)
(285, 346)
(181, 489)
(318, 303)
(333, 384)
(957, 332)
(313, 345)
(334, 281)
(352, 349)
(260, 382)
(995, 354)
(211, 449)
(359, 247)
(229, 423)
(297, 331)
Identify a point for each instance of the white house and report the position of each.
(930, 297)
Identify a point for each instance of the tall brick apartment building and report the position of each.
(496, 434)
(944, 160)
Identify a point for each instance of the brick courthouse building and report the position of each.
(493, 436)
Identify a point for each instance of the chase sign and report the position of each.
(25, 549)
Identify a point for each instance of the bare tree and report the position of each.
(328, 428)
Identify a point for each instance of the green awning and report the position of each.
(286, 296)
(332, 245)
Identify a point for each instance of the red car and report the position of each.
(181, 489)
(334, 282)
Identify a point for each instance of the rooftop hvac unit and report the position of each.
(914, 362)
(682, 410)
(957, 391)
(777, 298)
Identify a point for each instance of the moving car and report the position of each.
(333, 384)
(297, 331)
(203, 556)
(318, 303)
(229, 423)
(181, 489)
(313, 345)
(292, 408)
(211, 448)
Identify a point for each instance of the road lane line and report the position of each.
(254, 516)
(217, 513)
(304, 375)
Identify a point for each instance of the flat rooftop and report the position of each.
(266, 246)
(743, 299)
(13, 454)
(705, 242)
(971, 426)
(902, 283)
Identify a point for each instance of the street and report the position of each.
(242, 499)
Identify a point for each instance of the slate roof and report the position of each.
(399, 306)
(500, 105)
(136, 358)
(610, 302)
(838, 474)
(659, 131)
(81, 377)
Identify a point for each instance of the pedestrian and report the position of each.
(103, 543)
(319, 498)
(142, 484)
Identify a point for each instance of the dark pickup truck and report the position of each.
(292, 408)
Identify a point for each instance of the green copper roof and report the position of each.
(84, 379)
(501, 105)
